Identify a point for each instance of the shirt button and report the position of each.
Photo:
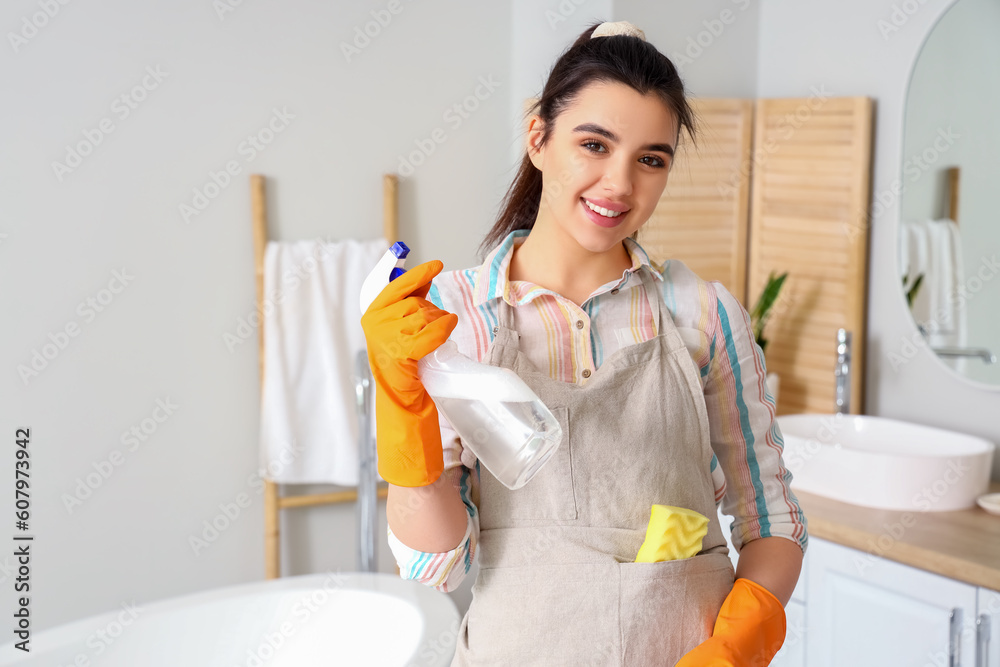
(579, 324)
(614, 291)
(586, 372)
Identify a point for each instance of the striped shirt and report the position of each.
(747, 469)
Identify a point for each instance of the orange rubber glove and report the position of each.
(401, 327)
(748, 632)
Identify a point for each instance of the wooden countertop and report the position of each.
(962, 544)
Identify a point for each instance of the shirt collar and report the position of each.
(492, 281)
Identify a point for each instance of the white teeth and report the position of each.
(603, 211)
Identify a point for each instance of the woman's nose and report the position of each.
(618, 177)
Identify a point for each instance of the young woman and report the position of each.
(652, 372)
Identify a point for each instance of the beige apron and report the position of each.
(558, 584)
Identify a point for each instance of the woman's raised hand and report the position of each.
(401, 327)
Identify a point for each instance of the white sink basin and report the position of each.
(885, 463)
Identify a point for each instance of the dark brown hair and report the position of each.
(618, 58)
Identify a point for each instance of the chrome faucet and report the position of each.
(367, 482)
(842, 372)
(981, 352)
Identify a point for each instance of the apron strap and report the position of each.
(505, 314)
(661, 315)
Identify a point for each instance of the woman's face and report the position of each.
(611, 147)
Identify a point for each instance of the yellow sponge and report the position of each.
(673, 533)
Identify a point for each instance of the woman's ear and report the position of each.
(533, 140)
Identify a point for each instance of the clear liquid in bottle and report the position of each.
(513, 439)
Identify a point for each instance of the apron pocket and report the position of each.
(668, 608)
(547, 615)
(549, 496)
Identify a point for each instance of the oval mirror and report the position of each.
(949, 232)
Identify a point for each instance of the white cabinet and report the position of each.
(850, 608)
(793, 650)
(988, 628)
(868, 611)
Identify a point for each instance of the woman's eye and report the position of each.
(657, 163)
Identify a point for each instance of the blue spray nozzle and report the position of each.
(389, 267)
(400, 250)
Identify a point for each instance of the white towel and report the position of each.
(933, 248)
(309, 426)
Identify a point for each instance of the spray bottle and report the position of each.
(495, 413)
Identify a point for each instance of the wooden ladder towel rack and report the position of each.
(274, 501)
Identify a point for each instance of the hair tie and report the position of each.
(608, 29)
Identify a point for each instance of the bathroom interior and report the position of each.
(134, 344)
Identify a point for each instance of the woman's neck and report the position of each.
(561, 265)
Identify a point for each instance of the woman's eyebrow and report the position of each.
(611, 136)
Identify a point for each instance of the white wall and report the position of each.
(712, 43)
(161, 337)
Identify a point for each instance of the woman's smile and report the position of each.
(612, 220)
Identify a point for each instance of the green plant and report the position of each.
(761, 310)
(911, 293)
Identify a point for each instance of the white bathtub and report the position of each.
(321, 619)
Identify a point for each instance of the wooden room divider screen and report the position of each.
(780, 185)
